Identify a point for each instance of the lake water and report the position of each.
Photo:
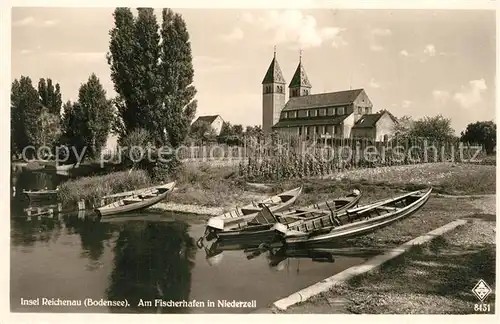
(146, 256)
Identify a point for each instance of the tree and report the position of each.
(49, 128)
(97, 113)
(123, 65)
(50, 96)
(435, 128)
(152, 72)
(74, 127)
(482, 133)
(25, 109)
(178, 73)
(403, 126)
(202, 131)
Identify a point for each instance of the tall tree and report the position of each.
(75, 130)
(97, 112)
(482, 133)
(50, 96)
(151, 68)
(122, 61)
(178, 73)
(25, 107)
(149, 91)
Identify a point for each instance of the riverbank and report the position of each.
(214, 189)
(434, 278)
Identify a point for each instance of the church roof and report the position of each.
(274, 74)
(328, 99)
(300, 78)
(326, 120)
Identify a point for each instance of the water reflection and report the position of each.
(93, 234)
(26, 231)
(278, 254)
(152, 260)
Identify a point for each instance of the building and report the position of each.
(379, 126)
(340, 114)
(215, 121)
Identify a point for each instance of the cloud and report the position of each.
(404, 53)
(235, 34)
(406, 103)
(440, 95)
(30, 21)
(50, 22)
(374, 84)
(430, 50)
(25, 51)
(374, 38)
(80, 56)
(24, 22)
(376, 47)
(293, 27)
(471, 95)
(381, 32)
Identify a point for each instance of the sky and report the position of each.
(410, 62)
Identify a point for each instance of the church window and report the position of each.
(306, 92)
(316, 129)
(360, 110)
(367, 110)
(329, 129)
(322, 112)
(302, 113)
(292, 114)
(340, 111)
(330, 111)
(300, 130)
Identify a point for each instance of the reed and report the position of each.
(92, 189)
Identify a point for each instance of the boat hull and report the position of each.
(269, 232)
(358, 228)
(228, 221)
(137, 206)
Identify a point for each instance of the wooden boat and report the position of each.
(267, 225)
(243, 214)
(137, 202)
(41, 194)
(356, 222)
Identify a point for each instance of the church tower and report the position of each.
(273, 95)
(300, 85)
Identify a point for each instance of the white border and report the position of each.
(5, 58)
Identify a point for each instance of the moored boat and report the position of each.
(41, 194)
(356, 222)
(242, 215)
(266, 226)
(142, 200)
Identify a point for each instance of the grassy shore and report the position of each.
(434, 278)
(207, 185)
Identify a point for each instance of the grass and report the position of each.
(212, 186)
(92, 189)
(433, 278)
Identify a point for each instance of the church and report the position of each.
(341, 114)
